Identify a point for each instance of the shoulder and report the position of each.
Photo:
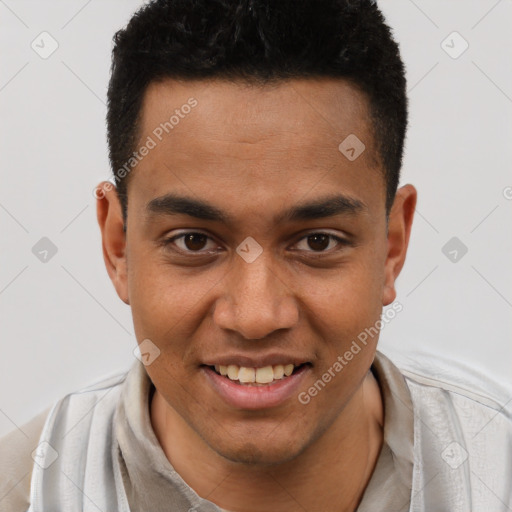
(16, 448)
(462, 434)
(452, 376)
(16, 463)
(89, 398)
(437, 383)
(77, 412)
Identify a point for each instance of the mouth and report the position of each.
(264, 376)
(246, 387)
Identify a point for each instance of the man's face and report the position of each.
(254, 155)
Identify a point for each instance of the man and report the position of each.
(256, 231)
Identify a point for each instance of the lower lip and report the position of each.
(243, 396)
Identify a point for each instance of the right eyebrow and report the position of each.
(173, 204)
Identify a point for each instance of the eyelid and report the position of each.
(168, 240)
(339, 239)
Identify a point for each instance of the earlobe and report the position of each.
(399, 231)
(110, 220)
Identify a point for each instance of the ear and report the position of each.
(399, 230)
(110, 220)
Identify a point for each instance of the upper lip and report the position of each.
(255, 361)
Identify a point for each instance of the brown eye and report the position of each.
(195, 241)
(191, 242)
(321, 242)
(318, 242)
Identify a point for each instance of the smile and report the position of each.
(262, 376)
(245, 387)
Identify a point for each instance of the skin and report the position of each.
(254, 152)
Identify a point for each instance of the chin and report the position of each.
(260, 450)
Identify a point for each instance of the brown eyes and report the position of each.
(195, 242)
(320, 241)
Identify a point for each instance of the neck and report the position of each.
(331, 474)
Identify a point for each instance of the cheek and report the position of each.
(157, 299)
(349, 300)
(168, 304)
(345, 314)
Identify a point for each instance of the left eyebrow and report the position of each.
(173, 204)
(322, 208)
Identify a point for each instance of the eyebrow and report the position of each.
(330, 206)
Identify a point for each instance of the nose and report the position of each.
(256, 301)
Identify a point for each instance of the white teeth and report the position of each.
(246, 374)
(264, 375)
(288, 369)
(233, 371)
(278, 371)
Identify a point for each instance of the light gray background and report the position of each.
(62, 325)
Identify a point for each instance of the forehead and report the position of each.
(270, 140)
(321, 109)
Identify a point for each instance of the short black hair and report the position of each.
(261, 41)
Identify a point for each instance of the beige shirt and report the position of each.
(150, 480)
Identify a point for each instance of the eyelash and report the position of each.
(341, 242)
